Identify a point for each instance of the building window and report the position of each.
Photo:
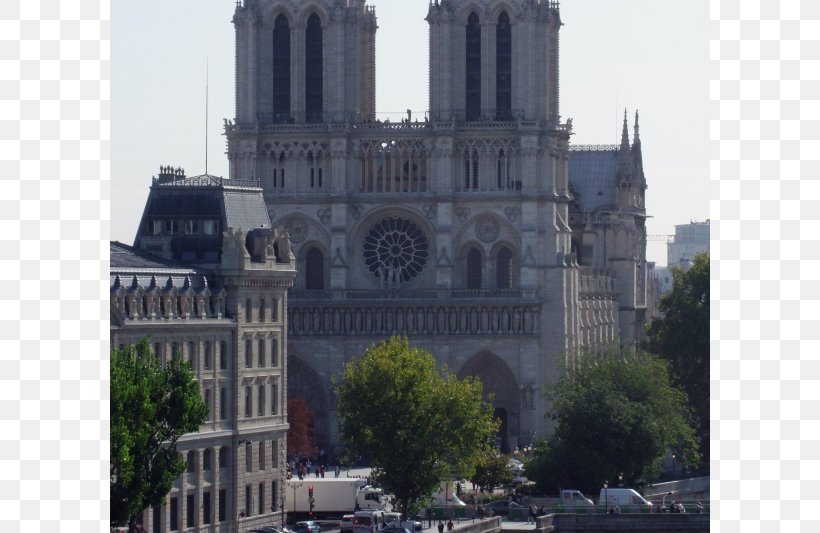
(209, 227)
(190, 462)
(206, 507)
(470, 170)
(223, 404)
(192, 355)
(503, 68)
(248, 353)
(261, 455)
(248, 310)
(313, 70)
(274, 352)
(274, 396)
(223, 457)
(206, 459)
(223, 355)
(208, 403)
(189, 510)
(314, 270)
(274, 496)
(274, 309)
(261, 310)
(191, 227)
(248, 401)
(281, 69)
(503, 269)
(206, 359)
(274, 454)
(260, 358)
(261, 403)
(261, 506)
(248, 457)
(474, 274)
(223, 507)
(473, 67)
(157, 526)
(248, 506)
(174, 525)
(503, 170)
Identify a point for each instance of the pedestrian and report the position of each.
(450, 524)
(440, 526)
(700, 508)
(531, 514)
(617, 509)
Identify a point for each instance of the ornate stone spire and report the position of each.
(637, 156)
(624, 155)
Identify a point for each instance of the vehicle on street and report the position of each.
(308, 526)
(330, 497)
(395, 529)
(501, 507)
(368, 521)
(346, 525)
(621, 497)
(573, 499)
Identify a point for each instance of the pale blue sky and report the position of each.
(639, 54)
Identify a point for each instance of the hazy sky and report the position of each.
(638, 54)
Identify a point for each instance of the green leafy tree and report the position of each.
(614, 414)
(681, 336)
(416, 423)
(152, 406)
(491, 472)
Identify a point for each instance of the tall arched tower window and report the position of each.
(313, 69)
(315, 269)
(503, 68)
(503, 269)
(281, 69)
(474, 261)
(473, 68)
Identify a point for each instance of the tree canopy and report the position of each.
(417, 423)
(614, 414)
(491, 472)
(681, 336)
(151, 407)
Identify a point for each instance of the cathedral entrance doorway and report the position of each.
(498, 381)
(305, 384)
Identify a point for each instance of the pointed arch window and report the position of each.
(281, 69)
(473, 68)
(504, 269)
(474, 269)
(313, 69)
(315, 270)
(503, 170)
(471, 170)
(503, 68)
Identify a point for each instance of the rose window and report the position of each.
(395, 251)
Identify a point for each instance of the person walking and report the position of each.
(450, 524)
(440, 526)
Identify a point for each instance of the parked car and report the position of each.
(346, 525)
(395, 529)
(308, 526)
(501, 507)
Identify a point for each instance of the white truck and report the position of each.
(332, 497)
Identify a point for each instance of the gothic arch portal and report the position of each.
(305, 384)
(499, 381)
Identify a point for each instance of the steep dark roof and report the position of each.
(128, 263)
(592, 175)
(244, 209)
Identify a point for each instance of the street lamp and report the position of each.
(606, 499)
(621, 479)
(673, 465)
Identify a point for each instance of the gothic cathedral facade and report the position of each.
(475, 230)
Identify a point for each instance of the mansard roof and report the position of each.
(128, 263)
(592, 170)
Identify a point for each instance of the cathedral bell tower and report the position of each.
(299, 63)
(493, 60)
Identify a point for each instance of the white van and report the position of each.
(622, 498)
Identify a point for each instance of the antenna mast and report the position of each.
(206, 116)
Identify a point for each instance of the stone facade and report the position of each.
(476, 230)
(216, 294)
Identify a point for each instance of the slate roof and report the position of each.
(245, 210)
(592, 175)
(127, 262)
